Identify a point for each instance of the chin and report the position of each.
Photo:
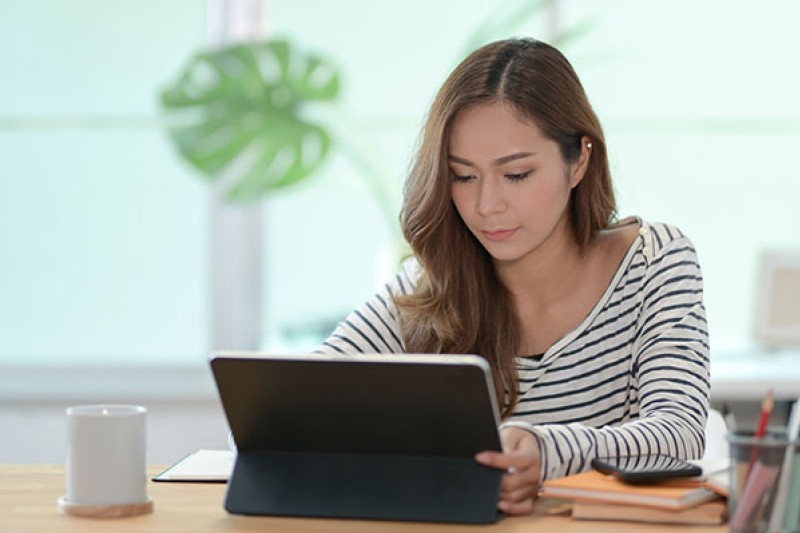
(504, 256)
(506, 260)
(508, 254)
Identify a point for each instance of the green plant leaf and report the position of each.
(236, 114)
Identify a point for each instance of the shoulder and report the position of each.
(405, 281)
(662, 235)
(615, 240)
(662, 241)
(656, 235)
(670, 263)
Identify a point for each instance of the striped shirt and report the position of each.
(631, 379)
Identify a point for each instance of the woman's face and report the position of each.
(510, 183)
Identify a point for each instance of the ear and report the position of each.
(580, 166)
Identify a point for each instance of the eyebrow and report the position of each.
(499, 161)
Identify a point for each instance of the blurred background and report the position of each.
(122, 265)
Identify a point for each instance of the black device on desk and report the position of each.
(643, 469)
(380, 437)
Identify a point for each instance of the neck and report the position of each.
(546, 272)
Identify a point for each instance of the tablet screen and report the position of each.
(398, 404)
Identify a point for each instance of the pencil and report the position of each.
(766, 410)
(767, 405)
(754, 475)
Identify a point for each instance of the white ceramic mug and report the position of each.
(106, 463)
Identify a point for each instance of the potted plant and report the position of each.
(236, 114)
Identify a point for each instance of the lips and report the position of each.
(499, 234)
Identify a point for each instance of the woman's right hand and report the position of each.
(521, 459)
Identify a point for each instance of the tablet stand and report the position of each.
(382, 487)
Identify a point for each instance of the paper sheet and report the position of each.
(202, 465)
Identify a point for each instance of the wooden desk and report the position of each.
(28, 495)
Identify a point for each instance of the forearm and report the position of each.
(663, 410)
(569, 448)
(373, 327)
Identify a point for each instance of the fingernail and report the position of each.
(482, 457)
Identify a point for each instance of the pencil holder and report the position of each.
(765, 483)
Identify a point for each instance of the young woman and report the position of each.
(594, 328)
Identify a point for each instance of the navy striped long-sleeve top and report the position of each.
(631, 379)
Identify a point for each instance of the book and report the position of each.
(203, 465)
(592, 486)
(709, 513)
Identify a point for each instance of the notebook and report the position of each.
(593, 486)
(709, 513)
(379, 437)
(210, 466)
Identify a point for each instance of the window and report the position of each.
(105, 230)
(103, 233)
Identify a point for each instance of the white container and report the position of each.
(106, 465)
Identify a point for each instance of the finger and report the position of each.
(518, 479)
(525, 492)
(502, 460)
(516, 508)
(493, 459)
(522, 478)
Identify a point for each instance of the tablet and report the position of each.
(646, 469)
(363, 436)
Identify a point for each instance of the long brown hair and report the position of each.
(459, 304)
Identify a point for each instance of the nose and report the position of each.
(491, 197)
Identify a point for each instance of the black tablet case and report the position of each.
(354, 437)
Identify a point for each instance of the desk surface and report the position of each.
(28, 496)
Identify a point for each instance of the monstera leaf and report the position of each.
(236, 114)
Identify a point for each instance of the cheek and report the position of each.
(557, 187)
(543, 196)
(460, 197)
(538, 193)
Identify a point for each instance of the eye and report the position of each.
(519, 176)
(461, 177)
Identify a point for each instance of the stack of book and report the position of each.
(597, 496)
